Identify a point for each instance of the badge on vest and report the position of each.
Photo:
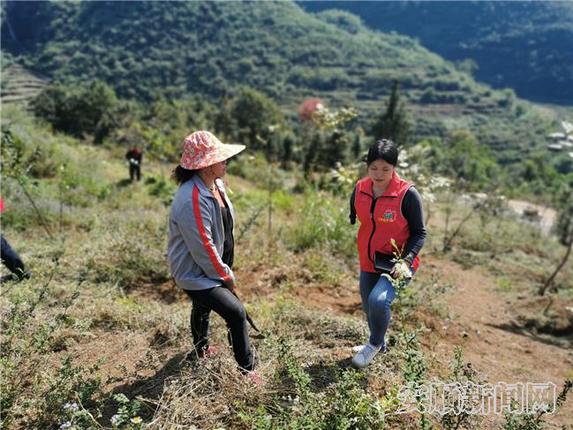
(389, 215)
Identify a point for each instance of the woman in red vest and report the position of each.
(388, 209)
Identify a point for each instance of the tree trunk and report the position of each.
(550, 280)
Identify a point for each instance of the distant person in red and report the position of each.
(11, 259)
(134, 157)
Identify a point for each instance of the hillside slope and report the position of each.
(19, 85)
(100, 316)
(147, 48)
(522, 45)
(177, 49)
(210, 47)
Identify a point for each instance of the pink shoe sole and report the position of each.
(255, 378)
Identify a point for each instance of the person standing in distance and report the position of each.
(134, 158)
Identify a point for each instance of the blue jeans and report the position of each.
(377, 295)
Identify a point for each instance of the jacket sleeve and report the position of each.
(412, 211)
(195, 224)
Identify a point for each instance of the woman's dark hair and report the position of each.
(384, 149)
(181, 175)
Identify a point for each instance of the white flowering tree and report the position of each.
(414, 166)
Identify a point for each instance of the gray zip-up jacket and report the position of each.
(196, 237)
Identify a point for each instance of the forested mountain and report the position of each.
(522, 45)
(208, 47)
(176, 49)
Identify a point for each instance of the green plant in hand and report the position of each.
(401, 273)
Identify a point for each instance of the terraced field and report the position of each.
(20, 85)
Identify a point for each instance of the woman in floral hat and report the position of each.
(200, 248)
(389, 210)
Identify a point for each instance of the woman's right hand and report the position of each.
(401, 270)
(231, 285)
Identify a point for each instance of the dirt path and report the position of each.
(482, 322)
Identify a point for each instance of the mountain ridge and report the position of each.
(177, 49)
(522, 45)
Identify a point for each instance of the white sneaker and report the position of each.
(365, 356)
(358, 348)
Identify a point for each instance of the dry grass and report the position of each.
(100, 316)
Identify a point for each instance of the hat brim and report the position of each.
(223, 152)
(230, 150)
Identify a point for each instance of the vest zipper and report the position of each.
(372, 208)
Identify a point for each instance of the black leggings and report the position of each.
(11, 259)
(134, 171)
(229, 307)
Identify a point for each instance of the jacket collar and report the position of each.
(206, 192)
(221, 187)
(203, 189)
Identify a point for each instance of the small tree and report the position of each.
(393, 124)
(336, 149)
(461, 156)
(95, 107)
(273, 183)
(357, 144)
(416, 165)
(311, 154)
(288, 146)
(254, 114)
(331, 142)
(52, 105)
(564, 229)
(224, 123)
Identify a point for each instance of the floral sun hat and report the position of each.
(202, 149)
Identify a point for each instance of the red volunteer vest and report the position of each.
(381, 220)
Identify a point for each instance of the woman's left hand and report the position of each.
(401, 270)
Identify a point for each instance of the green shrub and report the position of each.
(344, 404)
(323, 223)
(79, 110)
(161, 187)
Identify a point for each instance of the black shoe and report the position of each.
(15, 277)
(9, 278)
